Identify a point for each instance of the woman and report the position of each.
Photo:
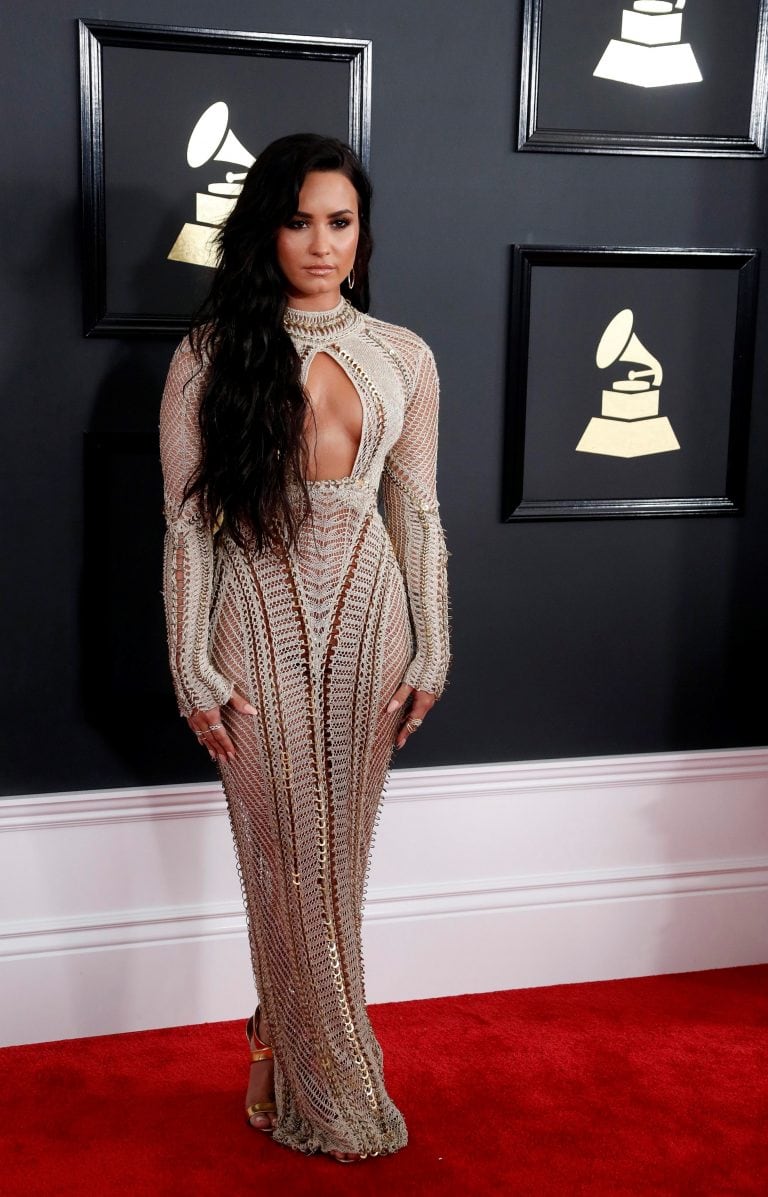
(308, 635)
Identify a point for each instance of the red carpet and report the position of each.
(656, 1085)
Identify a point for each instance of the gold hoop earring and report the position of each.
(351, 278)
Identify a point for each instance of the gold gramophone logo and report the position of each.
(212, 140)
(629, 424)
(651, 52)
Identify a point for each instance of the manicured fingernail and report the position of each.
(393, 705)
(231, 755)
(249, 710)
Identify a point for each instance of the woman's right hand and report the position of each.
(210, 731)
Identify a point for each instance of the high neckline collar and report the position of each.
(321, 326)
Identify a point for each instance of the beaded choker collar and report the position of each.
(321, 326)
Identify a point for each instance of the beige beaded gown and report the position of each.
(317, 639)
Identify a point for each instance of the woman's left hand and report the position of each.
(423, 702)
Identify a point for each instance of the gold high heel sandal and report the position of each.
(259, 1051)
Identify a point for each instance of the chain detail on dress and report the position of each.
(317, 327)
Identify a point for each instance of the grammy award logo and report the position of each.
(630, 424)
(651, 52)
(211, 140)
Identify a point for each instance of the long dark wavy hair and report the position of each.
(253, 412)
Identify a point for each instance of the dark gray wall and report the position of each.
(570, 638)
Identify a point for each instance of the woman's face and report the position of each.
(316, 248)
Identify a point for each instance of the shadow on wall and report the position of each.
(125, 686)
(125, 681)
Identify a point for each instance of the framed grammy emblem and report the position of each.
(645, 77)
(171, 119)
(630, 375)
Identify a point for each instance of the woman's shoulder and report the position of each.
(187, 377)
(404, 346)
(397, 337)
(191, 361)
(195, 344)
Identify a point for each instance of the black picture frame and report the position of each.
(697, 307)
(328, 78)
(557, 78)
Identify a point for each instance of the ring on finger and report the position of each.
(412, 724)
(212, 727)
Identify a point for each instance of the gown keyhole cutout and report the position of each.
(333, 437)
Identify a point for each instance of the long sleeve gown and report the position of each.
(317, 639)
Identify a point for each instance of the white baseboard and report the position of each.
(122, 909)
